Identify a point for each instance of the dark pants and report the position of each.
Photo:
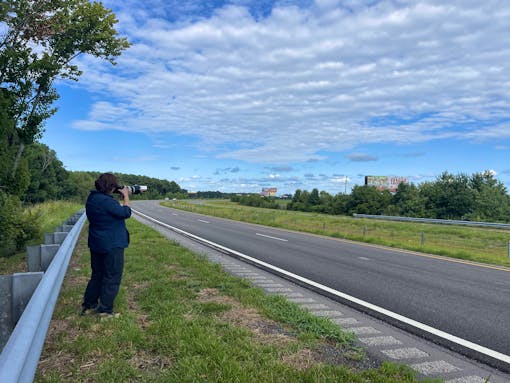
(105, 280)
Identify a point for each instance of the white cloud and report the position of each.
(304, 81)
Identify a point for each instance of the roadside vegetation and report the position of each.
(43, 218)
(184, 319)
(470, 243)
(478, 197)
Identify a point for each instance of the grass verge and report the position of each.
(485, 245)
(183, 319)
(49, 214)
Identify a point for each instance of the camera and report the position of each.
(133, 189)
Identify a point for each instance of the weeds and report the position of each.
(186, 320)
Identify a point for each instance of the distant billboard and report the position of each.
(385, 182)
(268, 192)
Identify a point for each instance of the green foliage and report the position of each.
(156, 188)
(477, 197)
(80, 184)
(256, 200)
(48, 178)
(41, 39)
(17, 226)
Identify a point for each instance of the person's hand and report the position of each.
(124, 191)
(125, 194)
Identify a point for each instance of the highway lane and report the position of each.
(464, 300)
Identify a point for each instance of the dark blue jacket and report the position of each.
(107, 226)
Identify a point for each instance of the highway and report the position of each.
(467, 300)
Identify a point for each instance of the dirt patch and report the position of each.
(301, 360)
(145, 361)
(268, 332)
(264, 330)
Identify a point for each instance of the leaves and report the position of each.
(41, 39)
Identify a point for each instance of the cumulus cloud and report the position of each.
(287, 84)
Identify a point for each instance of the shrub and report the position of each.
(17, 226)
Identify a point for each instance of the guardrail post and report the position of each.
(508, 249)
(23, 286)
(6, 324)
(39, 257)
(54, 238)
(16, 289)
(422, 238)
(63, 228)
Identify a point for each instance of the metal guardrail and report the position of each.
(20, 356)
(432, 220)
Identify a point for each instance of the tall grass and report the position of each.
(48, 215)
(476, 244)
(183, 319)
(51, 214)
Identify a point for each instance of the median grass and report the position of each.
(478, 244)
(184, 319)
(48, 215)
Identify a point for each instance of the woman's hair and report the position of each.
(106, 183)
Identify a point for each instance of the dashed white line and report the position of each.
(268, 236)
(201, 220)
(369, 341)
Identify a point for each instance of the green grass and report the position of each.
(49, 215)
(471, 243)
(184, 319)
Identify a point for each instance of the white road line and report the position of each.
(364, 258)
(268, 236)
(201, 220)
(426, 328)
(175, 214)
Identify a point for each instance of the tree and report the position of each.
(449, 197)
(491, 201)
(368, 200)
(407, 202)
(41, 39)
(48, 178)
(314, 198)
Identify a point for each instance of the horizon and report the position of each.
(240, 95)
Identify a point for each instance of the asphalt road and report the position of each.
(469, 301)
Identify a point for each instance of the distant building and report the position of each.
(268, 192)
(385, 182)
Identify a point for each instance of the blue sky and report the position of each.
(237, 95)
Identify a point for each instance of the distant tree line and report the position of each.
(157, 188)
(479, 197)
(256, 200)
